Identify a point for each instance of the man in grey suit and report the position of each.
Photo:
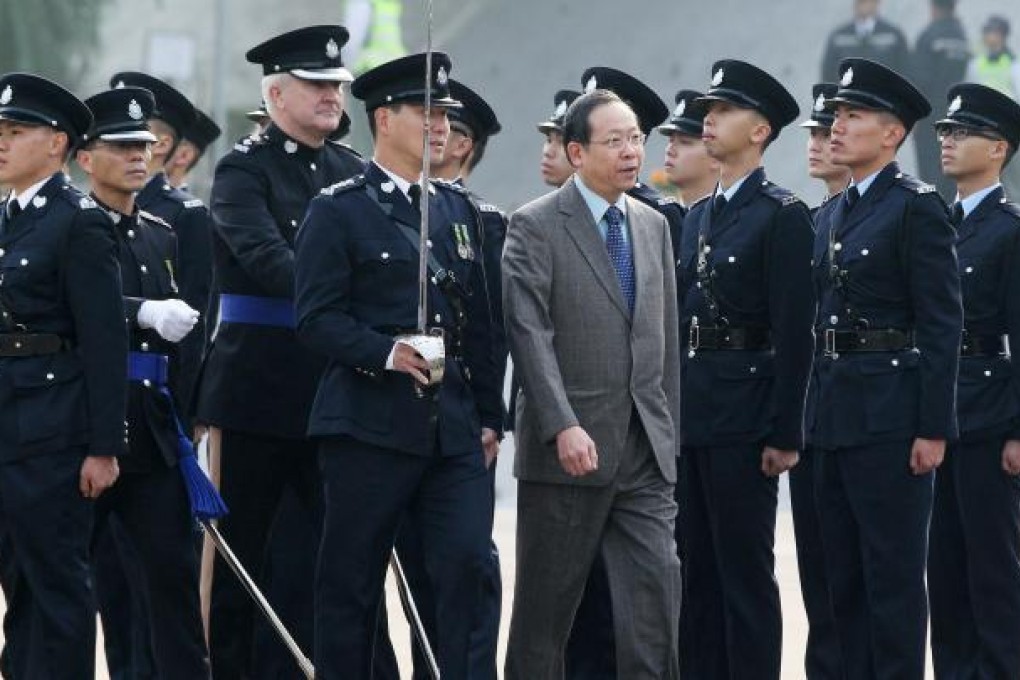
(590, 303)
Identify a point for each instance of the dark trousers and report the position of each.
(821, 659)
(974, 565)
(591, 648)
(874, 516)
(120, 587)
(254, 472)
(50, 624)
(154, 510)
(734, 626)
(369, 490)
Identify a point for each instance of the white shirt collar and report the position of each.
(865, 26)
(734, 188)
(29, 193)
(974, 200)
(401, 183)
(596, 204)
(865, 184)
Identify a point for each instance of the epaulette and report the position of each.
(778, 193)
(1009, 206)
(348, 148)
(86, 203)
(452, 186)
(829, 197)
(193, 203)
(346, 185)
(698, 202)
(155, 219)
(489, 208)
(246, 144)
(914, 184)
(667, 200)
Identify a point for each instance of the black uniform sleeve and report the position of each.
(93, 292)
(791, 317)
(194, 278)
(241, 217)
(938, 312)
(1011, 303)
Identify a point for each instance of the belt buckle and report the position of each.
(830, 343)
(694, 337)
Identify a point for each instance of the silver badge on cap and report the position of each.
(591, 84)
(820, 102)
(6, 96)
(119, 85)
(680, 108)
(441, 77)
(332, 49)
(848, 77)
(955, 105)
(135, 110)
(290, 146)
(561, 109)
(717, 78)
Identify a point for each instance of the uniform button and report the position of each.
(988, 374)
(438, 318)
(753, 369)
(131, 233)
(691, 354)
(834, 319)
(1, 252)
(895, 362)
(147, 382)
(969, 270)
(429, 243)
(17, 345)
(50, 376)
(145, 347)
(312, 166)
(24, 261)
(838, 247)
(732, 259)
(707, 249)
(865, 252)
(144, 269)
(385, 256)
(293, 223)
(699, 284)
(677, 262)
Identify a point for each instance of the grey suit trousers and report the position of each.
(560, 529)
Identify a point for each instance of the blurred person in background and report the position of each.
(688, 166)
(869, 36)
(555, 167)
(196, 139)
(939, 61)
(998, 67)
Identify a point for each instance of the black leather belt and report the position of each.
(981, 345)
(877, 340)
(728, 338)
(32, 344)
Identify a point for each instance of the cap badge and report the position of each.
(717, 78)
(119, 85)
(591, 85)
(680, 108)
(820, 102)
(441, 77)
(955, 105)
(6, 96)
(135, 110)
(39, 201)
(561, 109)
(847, 78)
(290, 146)
(332, 49)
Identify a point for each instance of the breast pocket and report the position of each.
(743, 393)
(890, 382)
(384, 271)
(27, 272)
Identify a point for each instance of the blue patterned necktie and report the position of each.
(619, 254)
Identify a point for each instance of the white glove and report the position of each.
(172, 319)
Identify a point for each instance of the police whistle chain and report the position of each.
(429, 345)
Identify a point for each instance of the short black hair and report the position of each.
(577, 121)
(477, 152)
(371, 115)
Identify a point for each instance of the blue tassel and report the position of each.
(206, 502)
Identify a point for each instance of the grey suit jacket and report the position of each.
(582, 359)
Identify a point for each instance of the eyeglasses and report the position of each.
(616, 142)
(960, 133)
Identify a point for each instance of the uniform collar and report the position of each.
(399, 181)
(865, 184)
(119, 219)
(734, 188)
(28, 194)
(970, 203)
(277, 137)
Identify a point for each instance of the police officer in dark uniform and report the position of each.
(471, 126)
(555, 167)
(747, 311)
(391, 449)
(688, 166)
(868, 36)
(195, 141)
(822, 659)
(591, 650)
(940, 61)
(150, 498)
(258, 383)
(63, 362)
(188, 216)
(974, 553)
(888, 328)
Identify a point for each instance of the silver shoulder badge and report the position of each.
(135, 110)
(193, 203)
(6, 96)
(339, 186)
(85, 203)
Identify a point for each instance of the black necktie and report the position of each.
(956, 217)
(13, 209)
(414, 192)
(718, 204)
(851, 196)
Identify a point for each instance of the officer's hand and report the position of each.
(926, 455)
(172, 319)
(98, 473)
(1011, 457)
(490, 446)
(576, 451)
(775, 462)
(407, 360)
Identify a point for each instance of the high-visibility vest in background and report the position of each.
(997, 74)
(385, 41)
